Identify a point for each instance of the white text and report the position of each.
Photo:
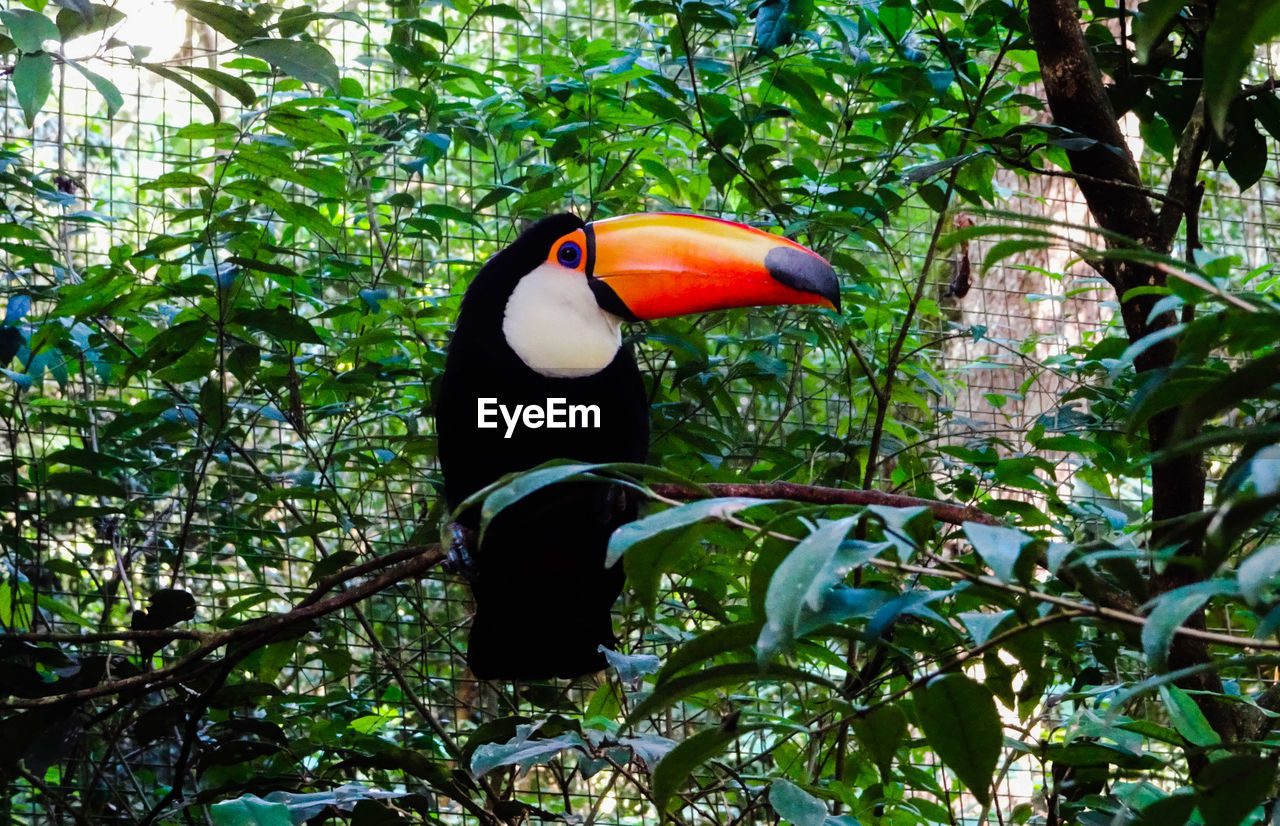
(556, 414)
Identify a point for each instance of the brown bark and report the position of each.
(1111, 185)
(409, 563)
(943, 511)
(1077, 98)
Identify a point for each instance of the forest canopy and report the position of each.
(992, 542)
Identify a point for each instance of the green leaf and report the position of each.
(175, 180)
(794, 804)
(495, 196)
(631, 667)
(294, 21)
(881, 732)
(1013, 246)
(907, 528)
(281, 323)
(1233, 786)
(842, 603)
(1257, 573)
(663, 107)
(981, 624)
(199, 93)
(250, 810)
(501, 10)
(87, 459)
(230, 84)
(962, 725)
(33, 81)
(1238, 28)
(1153, 16)
(804, 583)
(492, 731)
(225, 19)
(207, 131)
(650, 748)
(29, 29)
(1154, 731)
(81, 7)
(522, 751)
(1266, 108)
(105, 88)
(84, 483)
(648, 561)
(73, 24)
(303, 127)
(920, 173)
(263, 266)
(668, 693)
(736, 637)
(1170, 611)
(14, 611)
(515, 487)
(1187, 718)
(308, 62)
(1001, 548)
(243, 362)
(1246, 163)
(1265, 469)
(1176, 808)
(674, 519)
(17, 309)
(673, 771)
(212, 404)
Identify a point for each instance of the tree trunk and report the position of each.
(1110, 182)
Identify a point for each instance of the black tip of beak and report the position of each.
(804, 271)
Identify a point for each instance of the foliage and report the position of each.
(218, 465)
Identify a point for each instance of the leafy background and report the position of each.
(231, 266)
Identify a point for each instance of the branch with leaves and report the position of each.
(391, 570)
(819, 495)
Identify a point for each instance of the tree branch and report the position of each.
(943, 511)
(1185, 178)
(1078, 100)
(1083, 609)
(419, 561)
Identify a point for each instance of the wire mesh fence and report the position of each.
(281, 497)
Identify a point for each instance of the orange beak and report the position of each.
(667, 264)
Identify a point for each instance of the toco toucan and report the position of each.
(536, 370)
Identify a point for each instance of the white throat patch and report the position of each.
(555, 326)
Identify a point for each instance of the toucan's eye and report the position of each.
(569, 255)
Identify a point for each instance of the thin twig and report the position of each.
(943, 511)
(1203, 284)
(1085, 609)
(53, 795)
(260, 629)
(595, 807)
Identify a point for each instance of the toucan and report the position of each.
(536, 370)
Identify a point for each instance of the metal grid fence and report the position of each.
(90, 169)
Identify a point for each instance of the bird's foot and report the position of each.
(458, 559)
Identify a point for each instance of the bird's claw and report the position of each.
(458, 559)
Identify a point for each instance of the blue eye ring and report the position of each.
(569, 254)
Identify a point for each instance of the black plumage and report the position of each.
(542, 592)
(555, 301)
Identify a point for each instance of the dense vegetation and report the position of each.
(221, 570)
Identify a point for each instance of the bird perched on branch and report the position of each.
(536, 370)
